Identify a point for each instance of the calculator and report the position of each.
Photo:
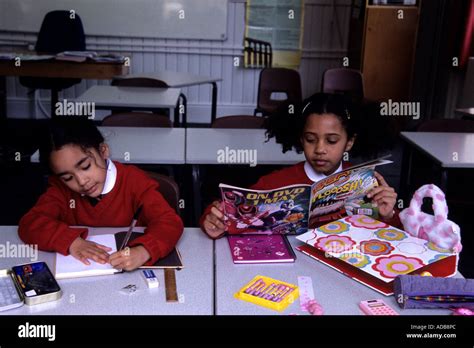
(9, 297)
(376, 307)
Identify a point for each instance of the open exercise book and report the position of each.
(292, 209)
(69, 267)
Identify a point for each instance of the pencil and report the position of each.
(130, 229)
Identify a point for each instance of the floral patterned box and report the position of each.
(374, 253)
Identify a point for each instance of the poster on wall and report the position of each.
(280, 23)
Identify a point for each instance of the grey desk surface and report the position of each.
(143, 145)
(203, 144)
(140, 97)
(101, 295)
(337, 294)
(450, 150)
(174, 79)
(146, 145)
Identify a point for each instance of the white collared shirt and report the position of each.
(110, 177)
(314, 176)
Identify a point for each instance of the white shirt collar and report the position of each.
(110, 177)
(313, 175)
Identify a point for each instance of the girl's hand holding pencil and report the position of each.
(129, 259)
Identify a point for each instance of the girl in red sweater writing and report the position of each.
(324, 129)
(88, 189)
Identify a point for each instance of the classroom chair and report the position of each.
(58, 33)
(345, 81)
(168, 188)
(239, 121)
(277, 80)
(151, 83)
(136, 119)
(138, 82)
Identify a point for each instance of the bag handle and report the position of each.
(439, 206)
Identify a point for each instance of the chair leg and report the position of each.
(54, 100)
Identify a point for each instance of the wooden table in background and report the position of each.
(55, 69)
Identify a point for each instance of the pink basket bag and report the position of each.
(437, 229)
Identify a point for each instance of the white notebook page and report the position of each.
(70, 267)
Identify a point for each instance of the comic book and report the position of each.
(295, 208)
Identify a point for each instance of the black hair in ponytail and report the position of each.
(363, 121)
(69, 130)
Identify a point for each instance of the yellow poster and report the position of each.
(279, 22)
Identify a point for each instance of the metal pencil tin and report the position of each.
(33, 283)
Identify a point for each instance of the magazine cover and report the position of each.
(281, 211)
(342, 194)
(293, 209)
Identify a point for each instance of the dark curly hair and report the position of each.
(69, 130)
(288, 123)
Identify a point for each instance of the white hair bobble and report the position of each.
(348, 115)
(307, 104)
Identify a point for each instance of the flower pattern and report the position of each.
(335, 227)
(376, 247)
(365, 222)
(335, 244)
(437, 258)
(355, 259)
(434, 247)
(390, 234)
(394, 265)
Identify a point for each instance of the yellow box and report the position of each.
(278, 295)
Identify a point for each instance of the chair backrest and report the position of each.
(239, 121)
(450, 126)
(136, 119)
(168, 188)
(138, 82)
(59, 32)
(277, 80)
(346, 81)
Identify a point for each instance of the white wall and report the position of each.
(237, 94)
(157, 18)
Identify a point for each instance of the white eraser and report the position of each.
(150, 278)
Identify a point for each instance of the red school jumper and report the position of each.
(47, 223)
(293, 175)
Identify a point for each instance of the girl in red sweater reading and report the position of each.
(88, 189)
(324, 130)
